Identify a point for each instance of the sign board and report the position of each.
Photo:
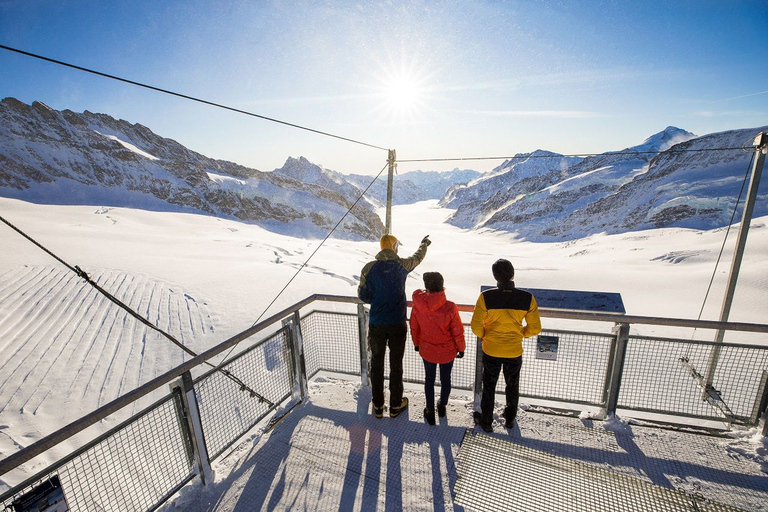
(546, 347)
(46, 497)
(602, 302)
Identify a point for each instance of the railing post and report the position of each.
(299, 364)
(616, 367)
(478, 388)
(193, 426)
(365, 359)
(762, 407)
(760, 143)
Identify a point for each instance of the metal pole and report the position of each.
(362, 329)
(194, 426)
(391, 176)
(478, 386)
(299, 364)
(616, 367)
(761, 143)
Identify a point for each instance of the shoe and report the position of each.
(441, 410)
(378, 411)
(487, 427)
(394, 411)
(509, 419)
(429, 416)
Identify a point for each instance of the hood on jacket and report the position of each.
(387, 255)
(430, 301)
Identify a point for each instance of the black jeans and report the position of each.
(379, 338)
(491, 368)
(430, 372)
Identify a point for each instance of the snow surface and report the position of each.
(206, 279)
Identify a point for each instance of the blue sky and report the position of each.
(429, 79)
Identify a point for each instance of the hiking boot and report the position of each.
(487, 427)
(429, 416)
(394, 411)
(441, 410)
(378, 411)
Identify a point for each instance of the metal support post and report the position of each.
(761, 143)
(616, 366)
(478, 389)
(390, 179)
(193, 425)
(365, 360)
(761, 413)
(297, 349)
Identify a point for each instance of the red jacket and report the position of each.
(436, 327)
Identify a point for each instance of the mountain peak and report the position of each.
(665, 139)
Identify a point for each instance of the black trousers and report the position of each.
(430, 373)
(379, 338)
(492, 366)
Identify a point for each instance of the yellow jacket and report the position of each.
(498, 320)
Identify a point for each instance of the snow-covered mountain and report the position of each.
(523, 174)
(672, 179)
(413, 186)
(63, 157)
(303, 170)
(408, 188)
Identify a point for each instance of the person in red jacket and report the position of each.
(438, 335)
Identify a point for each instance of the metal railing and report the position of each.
(144, 460)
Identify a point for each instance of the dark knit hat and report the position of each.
(433, 281)
(503, 271)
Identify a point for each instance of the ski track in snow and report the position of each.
(51, 320)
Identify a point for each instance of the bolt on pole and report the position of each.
(391, 176)
(761, 143)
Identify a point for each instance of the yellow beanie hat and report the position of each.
(388, 242)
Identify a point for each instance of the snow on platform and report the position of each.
(330, 453)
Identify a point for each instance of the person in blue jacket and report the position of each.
(382, 285)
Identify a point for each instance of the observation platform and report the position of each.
(330, 453)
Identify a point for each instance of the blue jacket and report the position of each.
(382, 285)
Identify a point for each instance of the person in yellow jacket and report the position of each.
(503, 316)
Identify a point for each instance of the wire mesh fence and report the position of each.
(331, 342)
(143, 461)
(665, 376)
(577, 374)
(653, 378)
(227, 411)
(135, 466)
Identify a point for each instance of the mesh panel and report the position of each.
(331, 342)
(577, 375)
(135, 467)
(656, 379)
(227, 412)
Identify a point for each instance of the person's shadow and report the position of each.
(273, 483)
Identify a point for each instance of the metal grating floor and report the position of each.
(496, 474)
(330, 453)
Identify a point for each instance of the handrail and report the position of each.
(40, 446)
(620, 318)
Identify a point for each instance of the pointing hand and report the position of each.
(426, 241)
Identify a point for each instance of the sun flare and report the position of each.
(404, 94)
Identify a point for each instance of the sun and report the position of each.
(404, 94)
